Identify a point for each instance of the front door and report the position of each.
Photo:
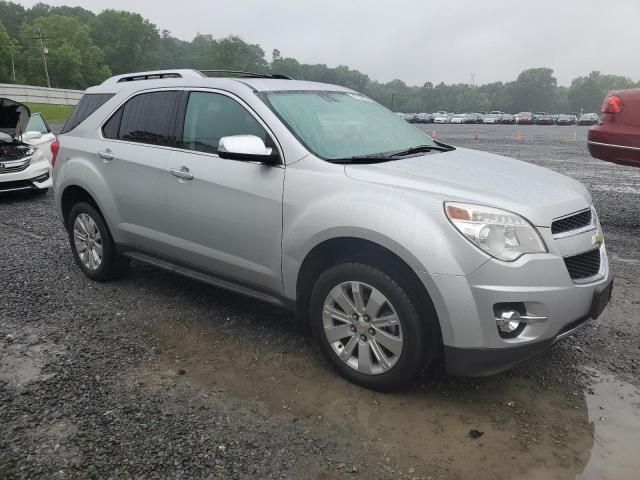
(225, 215)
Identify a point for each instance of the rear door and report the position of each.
(133, 158)
(226, 217)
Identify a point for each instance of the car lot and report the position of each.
(158, 375)
(501, 118)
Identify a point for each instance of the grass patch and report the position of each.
(51, 113)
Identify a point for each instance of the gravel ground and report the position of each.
(158, 376)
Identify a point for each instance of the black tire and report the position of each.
(420, 338)
(113, 265)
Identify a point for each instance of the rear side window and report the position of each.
(86, 106)
(146, 118)
(112, 127)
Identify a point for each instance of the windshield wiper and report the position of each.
(420, 149)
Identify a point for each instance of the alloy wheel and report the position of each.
(362, 327)
(88, 241)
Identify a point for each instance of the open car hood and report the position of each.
(14, 117)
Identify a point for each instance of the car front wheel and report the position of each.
(369, 327)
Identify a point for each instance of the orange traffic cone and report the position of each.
(434, 135)
(476, 136)
(519, 136)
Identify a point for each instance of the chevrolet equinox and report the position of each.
(397, 248)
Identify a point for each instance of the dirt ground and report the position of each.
(159, 376)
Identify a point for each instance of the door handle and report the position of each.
(106, 155)
(182, 172)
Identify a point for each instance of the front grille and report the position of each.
(12, 167)
(572, 222)
(583, 266)
(15, 185)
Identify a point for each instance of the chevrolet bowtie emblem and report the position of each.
(598, 238)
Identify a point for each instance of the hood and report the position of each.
(538, 194)
(14, 117)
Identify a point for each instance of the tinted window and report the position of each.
(211, 116)
(86, 106)
(149, 118)
(112, 127)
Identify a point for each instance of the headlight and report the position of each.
(501, 234)
(37, 156)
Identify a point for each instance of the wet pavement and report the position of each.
(159, 376)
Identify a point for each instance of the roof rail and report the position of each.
(187, 73)
(154, 75)
(240, 73)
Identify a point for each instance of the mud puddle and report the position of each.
(526, 431)
(22, 359)
(614, 410)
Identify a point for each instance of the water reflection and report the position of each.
(614, 410)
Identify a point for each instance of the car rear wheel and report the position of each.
(369, 328)
(91, 243)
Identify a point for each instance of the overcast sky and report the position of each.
(416, 40)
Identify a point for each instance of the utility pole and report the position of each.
(392, 94)
(13, 68)
(44, 51)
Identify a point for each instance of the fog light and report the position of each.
(509, 321)
(512, 318)
(41, 178)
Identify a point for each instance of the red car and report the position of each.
(524, 118)
(616, 137)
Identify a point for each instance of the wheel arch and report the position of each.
(71, 195)
(348, 248)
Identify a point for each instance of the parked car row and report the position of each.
(502, 118)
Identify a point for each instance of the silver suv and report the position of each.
(397, 248)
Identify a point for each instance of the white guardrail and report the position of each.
(29, 93)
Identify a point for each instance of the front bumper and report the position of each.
(539, 284)
(478, 362)
(36, 176)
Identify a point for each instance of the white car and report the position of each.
(492, 118)
(461, 118)
(441, 118)
(26, 145)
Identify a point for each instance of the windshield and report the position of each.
(342, 125)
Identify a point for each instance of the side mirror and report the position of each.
(31, 135)
(246, 147)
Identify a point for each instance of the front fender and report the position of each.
(410, 224)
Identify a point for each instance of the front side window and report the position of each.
(339, 125)
(37, 124)
(211, 116)
(147, 118)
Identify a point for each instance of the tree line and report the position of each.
(84, 48)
